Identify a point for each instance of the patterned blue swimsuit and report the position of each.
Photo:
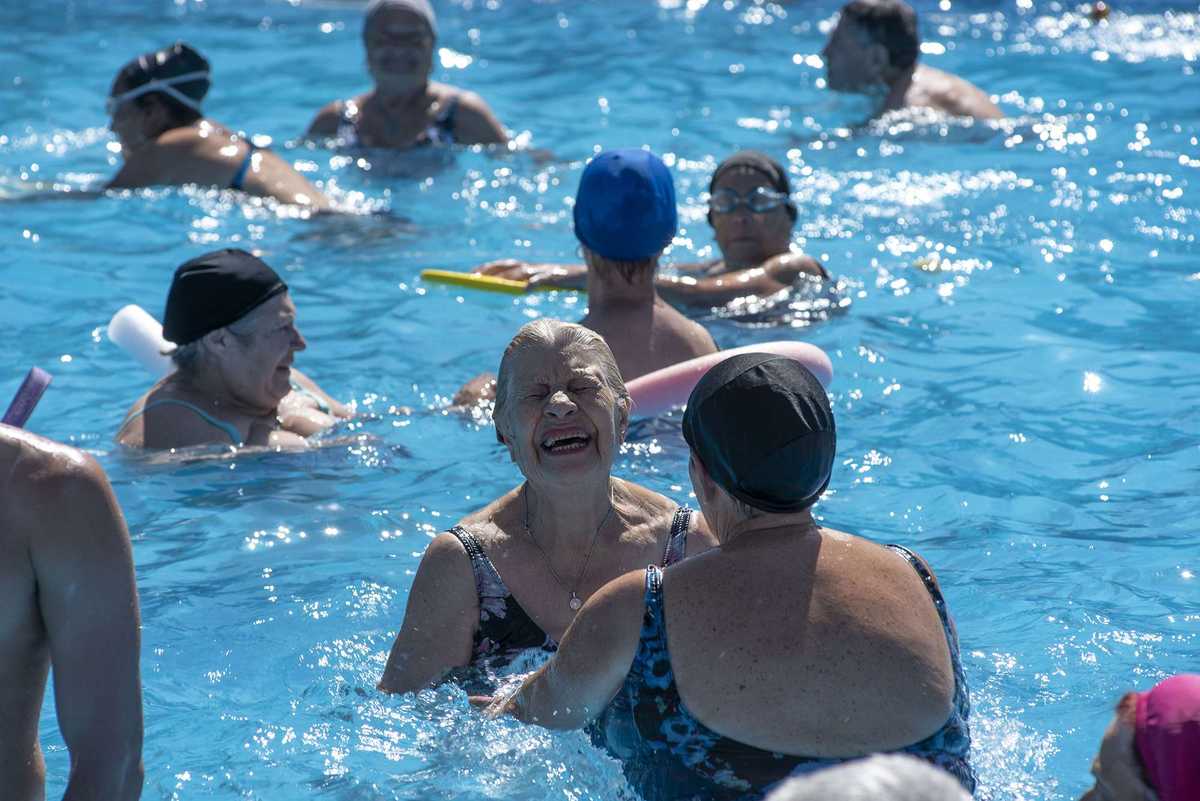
(505, 630)
(669, 755)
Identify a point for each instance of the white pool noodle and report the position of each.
(140, 335)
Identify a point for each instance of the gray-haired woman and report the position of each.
(507, 581)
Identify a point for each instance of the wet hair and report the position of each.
(177, 59)
(897, 777)
(628, 270)
(562, 336)
(185, 357)
(891, 23)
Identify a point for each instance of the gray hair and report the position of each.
(186, 357)
(895, 777)
(561, 336)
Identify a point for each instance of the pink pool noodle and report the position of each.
(27, 397)
(670, 387)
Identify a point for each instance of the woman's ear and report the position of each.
(216, 340)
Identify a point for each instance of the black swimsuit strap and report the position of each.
(485, 572)
(676, 547)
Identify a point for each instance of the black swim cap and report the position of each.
(762, 427)
(214, 290)
(168, 65)
(761, 163)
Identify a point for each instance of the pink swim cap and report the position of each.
(1168, 737)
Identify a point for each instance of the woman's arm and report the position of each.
(439, 621)
(475, 124)
(775, 274)
(591, 663)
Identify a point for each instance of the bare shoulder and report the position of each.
(658, 507)
(787, 266)
(445, 555)
(954, 95)
(168, 425)
(325, 123)
(472, 102)
(46, 476)
(474, 120)
(483, 522)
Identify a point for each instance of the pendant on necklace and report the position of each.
(575, 602)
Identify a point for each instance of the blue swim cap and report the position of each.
(625, 206)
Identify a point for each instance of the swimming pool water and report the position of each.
(1016, 382)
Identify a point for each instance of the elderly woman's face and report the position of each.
(561, 420)
(399, 49)
(1117, 769)
(257, 363)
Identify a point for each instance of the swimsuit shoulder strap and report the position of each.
(235, 436)
(488, 583)
(935, 593)
(677, 540)
(239, 177)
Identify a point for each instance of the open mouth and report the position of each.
(566, 441)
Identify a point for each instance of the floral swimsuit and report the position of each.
(670, 755)
(505, 631)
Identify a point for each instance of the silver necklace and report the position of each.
(575, 602)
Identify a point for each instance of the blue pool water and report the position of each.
(1016, 378)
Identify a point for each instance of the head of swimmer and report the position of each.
(1117, 769)
(248, 361)
(399, 45)
(143, 117)
(874, 44)
(748, 237)
(562, 409)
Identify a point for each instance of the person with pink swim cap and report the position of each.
(1151, 750)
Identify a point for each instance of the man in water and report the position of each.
(873, 50)
(67, 599)
(625, 215)
(752, 215)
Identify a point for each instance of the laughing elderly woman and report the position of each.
(562, 411)
(788, 648)
(234, 326)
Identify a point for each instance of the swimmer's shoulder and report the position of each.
(329, 116)
(41, 473)
(161, 426)
(490, 522)
(474, 120)
(952, 94)
(787, 267)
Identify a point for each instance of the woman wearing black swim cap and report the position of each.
(167, 141)
(796, 646)
(234, 327)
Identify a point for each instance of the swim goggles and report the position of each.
(166, 86)
(759, 200)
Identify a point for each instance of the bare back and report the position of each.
(648, 338)
(822, 647)
(943, 91)
(207, 154)
(67, 597)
